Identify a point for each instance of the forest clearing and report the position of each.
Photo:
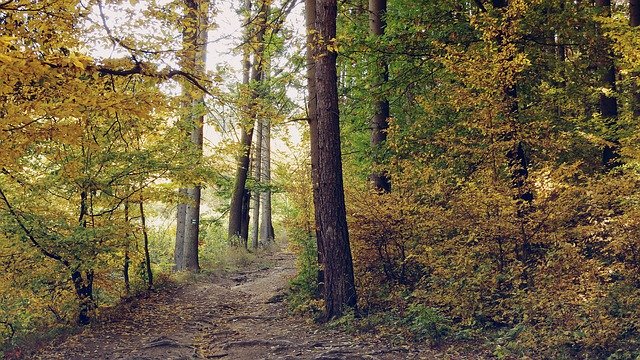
(320, 179)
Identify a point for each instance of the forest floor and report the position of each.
(238, 315)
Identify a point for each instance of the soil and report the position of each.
(240, 315)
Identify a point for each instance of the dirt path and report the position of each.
(237, 316)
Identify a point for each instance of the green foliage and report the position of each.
(427, 323)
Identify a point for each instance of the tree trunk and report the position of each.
(239, 209)
(257, 174)
(195, 38)
(83, 286)
(339, 291)
(380, 120)
(145, 239)
(266, 225)
(310, 19)
(608, 104)
(127, 260)
(178, 254)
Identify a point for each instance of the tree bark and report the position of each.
(310, 19)
(339, 291)
(380, 120)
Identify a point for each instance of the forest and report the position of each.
(447, 173)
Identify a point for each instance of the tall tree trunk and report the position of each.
(608, 104)
(198, 14)
(194, 52)
(380, 120)
(239, 209)
(257, 174)
(266, 224)
(312, 116)
(339, 285)
(634, 21)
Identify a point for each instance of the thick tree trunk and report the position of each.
(339, 291)
(310, 17)
(608, 104)
(380, 120)
(83, 286)
(195, 38)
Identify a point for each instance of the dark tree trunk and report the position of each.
(380, 120)
(339, 286)
(608, 104)
(145, 239)
(310, 15)
(83, 286)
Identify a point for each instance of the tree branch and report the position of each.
(29, 234)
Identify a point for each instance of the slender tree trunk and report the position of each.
(266, 225)
(608, 104)
(634, 21)
(380, 120)
(83, 284)
(339, 285)
(312, 115)
(145, 238)
(257, 174)
(127, 260)
(239, 209)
